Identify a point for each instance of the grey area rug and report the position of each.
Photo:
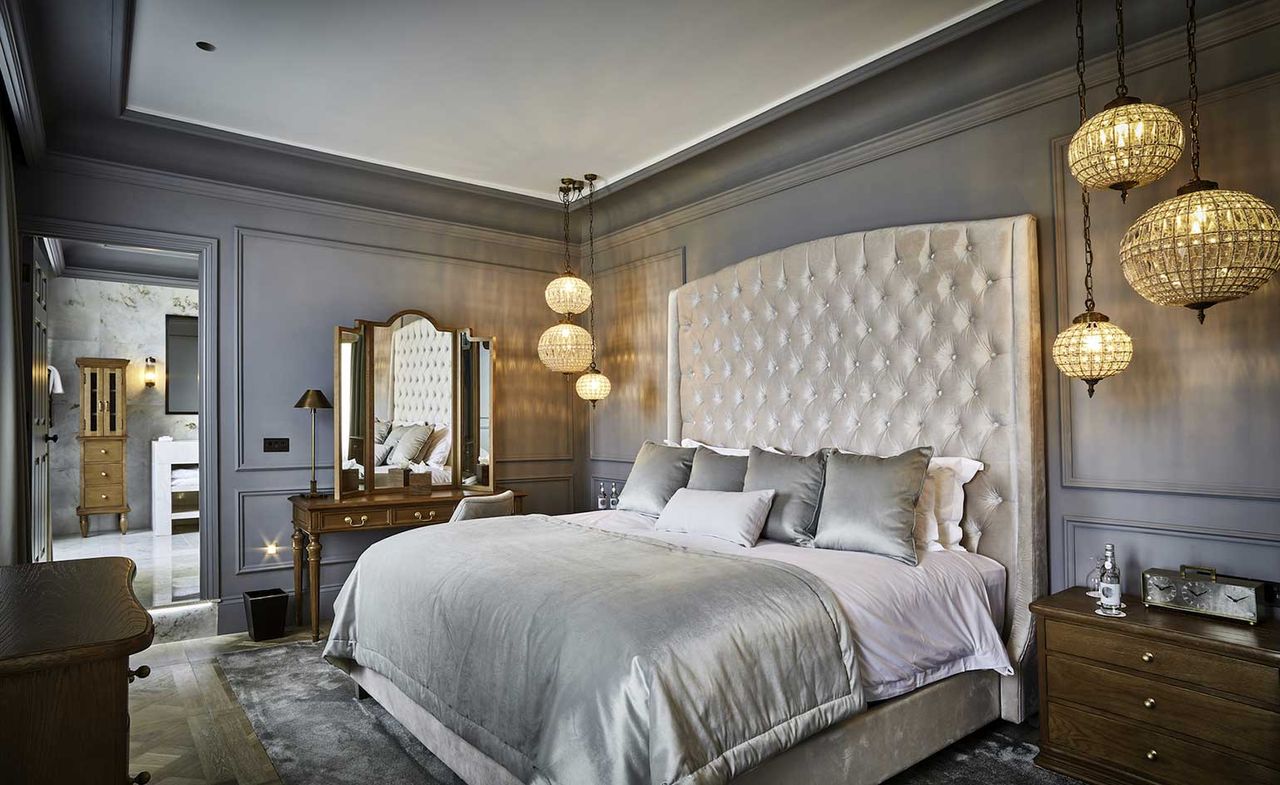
(317, 733)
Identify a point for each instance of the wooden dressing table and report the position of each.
(314, 516)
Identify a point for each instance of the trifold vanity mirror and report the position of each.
(413, 404)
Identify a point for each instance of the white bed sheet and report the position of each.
(912, 625)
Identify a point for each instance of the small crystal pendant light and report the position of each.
(592, 386)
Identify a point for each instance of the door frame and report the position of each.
(207, 340)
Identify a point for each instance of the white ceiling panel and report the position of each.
(504, 93)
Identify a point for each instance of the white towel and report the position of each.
(55, 381)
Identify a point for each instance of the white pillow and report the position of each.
(726, 515)
(739, 451)
(941, 505)
(438, 447)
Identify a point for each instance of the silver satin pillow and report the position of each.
(659, 471)
(715, 472)
(869, 503)
(798, 482)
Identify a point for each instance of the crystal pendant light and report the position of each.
(566, 347)
(1130, 143)
(567, 293)
(1092, 348)
(1206, 245)
(592, 386)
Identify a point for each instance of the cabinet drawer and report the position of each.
(1153, 703)
(104, 451)
(1149, 753)
(356, 519)
(104, 474)
(103, 496)
(427, 513)
(1201, 668)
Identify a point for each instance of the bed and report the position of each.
(872, 342)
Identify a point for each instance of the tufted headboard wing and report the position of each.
(422, 374)
(876, 342)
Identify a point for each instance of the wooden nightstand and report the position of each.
(1156, 697)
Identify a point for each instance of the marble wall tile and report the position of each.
(107, 319)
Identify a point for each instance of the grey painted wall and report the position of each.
(288, 271)
(1174, 461)
(108, 319)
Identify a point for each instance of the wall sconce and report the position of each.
(149, 373)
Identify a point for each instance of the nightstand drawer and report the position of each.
(427, 513)
(1201, 668)
(361, 519)
(1153, 703)
(1149, 753)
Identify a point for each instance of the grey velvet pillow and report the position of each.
(797, 479)
(869, 503)
(715, 472)
(659, 471)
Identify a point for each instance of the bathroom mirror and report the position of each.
(181, 365)
(413, 407)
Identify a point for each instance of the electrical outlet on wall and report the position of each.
(275, 445)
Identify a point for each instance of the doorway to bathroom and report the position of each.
(119, 464)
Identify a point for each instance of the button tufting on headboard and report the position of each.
(422, 362)
(876, 342)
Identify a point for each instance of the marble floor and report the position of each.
(168, 566)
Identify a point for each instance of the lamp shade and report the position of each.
(1205, 246)
(593, 386)
(568, 294)
(313, 399)
(1092, 349)
(566, 348)
(1127, 145)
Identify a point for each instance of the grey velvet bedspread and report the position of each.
(572, 655)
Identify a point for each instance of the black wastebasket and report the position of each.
(266, 611)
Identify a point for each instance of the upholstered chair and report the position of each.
(485, 506)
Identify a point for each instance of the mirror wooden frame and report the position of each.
(366, 330)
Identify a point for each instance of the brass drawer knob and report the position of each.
(1152, 755)
(104, 452)
(431, 516)
(1149, 703)
(1148, 656)
(104, 474)
(142, 672)
(104, 496)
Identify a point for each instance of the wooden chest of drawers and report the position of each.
(1156, 697)
(103, 437)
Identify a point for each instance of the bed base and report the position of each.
(863, 750)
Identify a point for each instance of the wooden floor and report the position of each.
(187, 728)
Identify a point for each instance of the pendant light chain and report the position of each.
(1194, 90)
(1084, 192)
(1122, 89)
(591, 260)
(565, 196)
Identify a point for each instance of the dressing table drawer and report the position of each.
(355, 519)
(427, 513)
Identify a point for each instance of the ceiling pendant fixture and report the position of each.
(1206, 245)
(566, 347)
(1130, 143)
(1092, 348)
(567, 293)
(592, 386)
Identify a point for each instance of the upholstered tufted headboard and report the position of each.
(876, 342)
(422, 374)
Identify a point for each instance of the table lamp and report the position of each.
(313, 400)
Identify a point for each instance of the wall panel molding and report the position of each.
(19, 82)
(1065, 189)
(1168, 47)
(245, 233)
(198, 186)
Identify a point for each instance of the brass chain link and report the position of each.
(1084, 192)
(1194, 122)
(1121, 88)
(591, 264)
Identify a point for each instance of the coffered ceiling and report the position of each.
(504, 93)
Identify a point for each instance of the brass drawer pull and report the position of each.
(104, 474)
(1149, 703)
(1152, 755)
(1148, 656)
(431, 516)
(363, 520)
(142, 672)
(103, 451)
(104, 496)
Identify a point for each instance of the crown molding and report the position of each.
(1156, 51)
(19, 83)
(198, 186)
